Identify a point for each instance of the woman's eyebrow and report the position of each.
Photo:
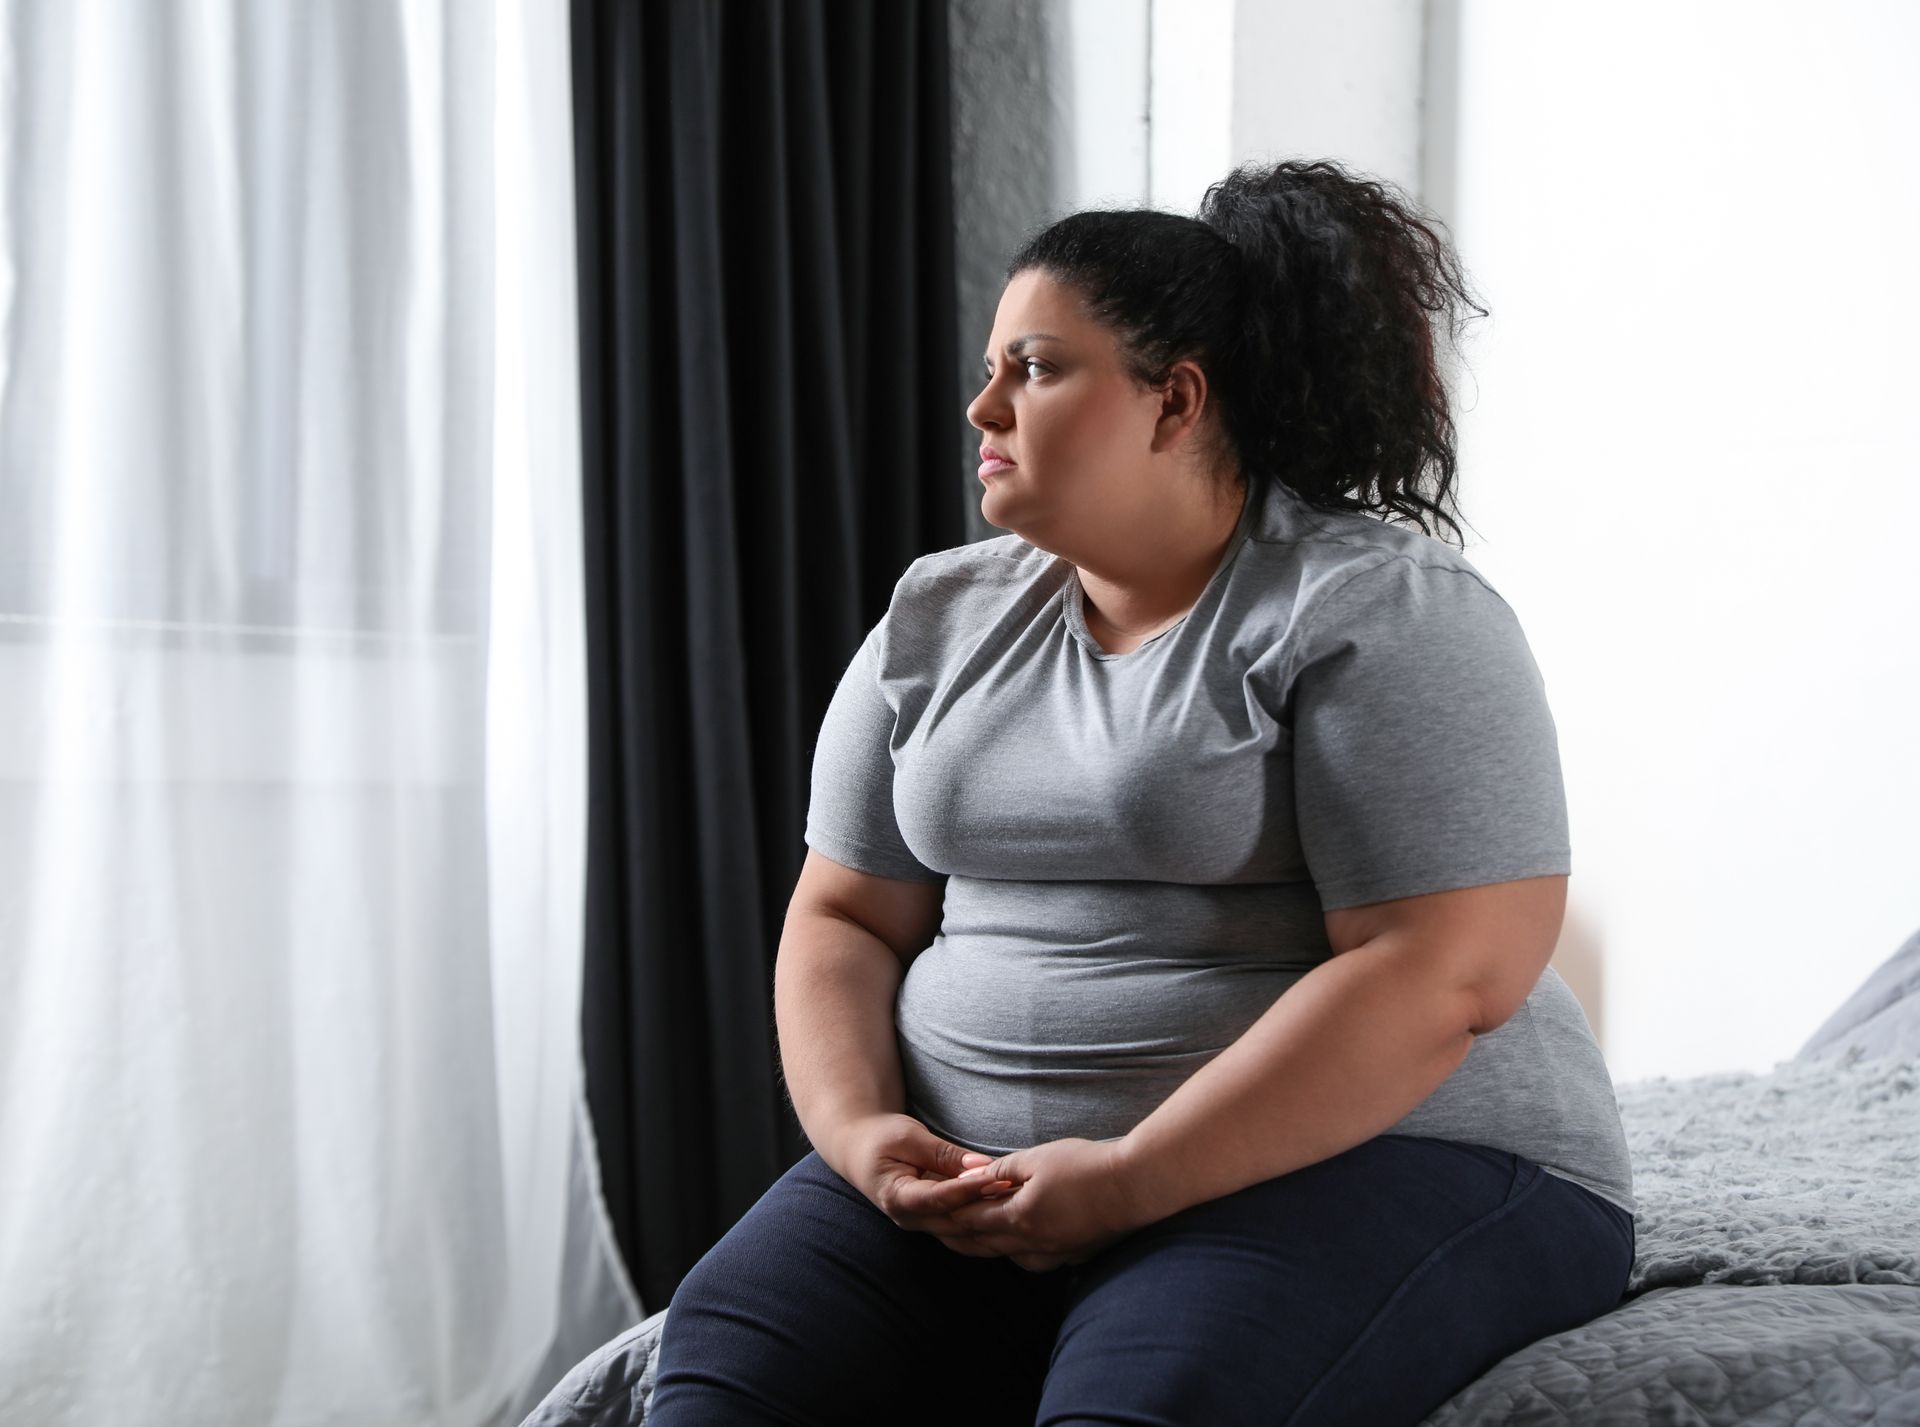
(1020, 344)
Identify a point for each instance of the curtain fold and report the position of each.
(292, 763)
(769, 434)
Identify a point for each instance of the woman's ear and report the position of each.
(1183, 402)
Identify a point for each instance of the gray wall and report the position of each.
(1007, 161)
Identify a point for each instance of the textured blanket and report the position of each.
(1808, 1173)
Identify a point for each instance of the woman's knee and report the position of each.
(775, 1321)
(792, 1246)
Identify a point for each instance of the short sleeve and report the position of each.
(850, 815)
(1425, 758)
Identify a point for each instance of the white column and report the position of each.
(1190, 101)
(1328, 81)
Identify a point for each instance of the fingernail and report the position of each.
(975, 1172)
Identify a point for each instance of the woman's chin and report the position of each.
(1003, 516)
(997, 508)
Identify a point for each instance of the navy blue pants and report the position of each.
(1366, 1289)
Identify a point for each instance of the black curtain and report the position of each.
(767, 314)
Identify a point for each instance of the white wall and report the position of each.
(1695, 460)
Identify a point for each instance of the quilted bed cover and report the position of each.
(1775, 1277)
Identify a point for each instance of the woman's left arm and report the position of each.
(1353, 1046)
(1346, 1052)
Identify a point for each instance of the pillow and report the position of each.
(1881, 1018)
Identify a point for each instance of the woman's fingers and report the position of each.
(924, 1200)
(944, 1196)
(916, 1202)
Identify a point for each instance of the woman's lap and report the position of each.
(817, 1308)
(1366, 1288)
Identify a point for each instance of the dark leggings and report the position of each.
(1367, 1288)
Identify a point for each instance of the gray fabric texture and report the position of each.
(610, 1387)
(1808, 1173)
(1137, 849)
(1714, 1356)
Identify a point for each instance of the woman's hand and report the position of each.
(909, 1173)
(1070, 1200)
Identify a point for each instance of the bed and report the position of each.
(1775, 1277)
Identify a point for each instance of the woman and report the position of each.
(1198, 731)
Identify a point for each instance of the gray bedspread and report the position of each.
(1775, 1278)
(1809, 1173)
(1715, 1353)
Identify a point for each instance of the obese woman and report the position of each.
(1165, 990)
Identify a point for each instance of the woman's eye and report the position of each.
(1027, 362)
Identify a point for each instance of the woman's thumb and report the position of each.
(990, 1168)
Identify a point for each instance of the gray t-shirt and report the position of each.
(1138, 847)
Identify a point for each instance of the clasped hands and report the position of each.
(1055, 1203)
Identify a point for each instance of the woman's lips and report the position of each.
(994, 466)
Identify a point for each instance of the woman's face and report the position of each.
(1058, 403)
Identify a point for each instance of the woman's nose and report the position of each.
(985, 410)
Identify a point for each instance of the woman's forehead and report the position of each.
(1037, 288)
(1037, 307)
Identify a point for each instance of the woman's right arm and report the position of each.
(848, 940)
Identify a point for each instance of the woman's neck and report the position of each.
(1137, 597)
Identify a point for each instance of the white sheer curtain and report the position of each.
(291, 717)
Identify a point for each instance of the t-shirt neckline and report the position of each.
(1073, 595)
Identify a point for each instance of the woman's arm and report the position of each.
(848, 939)
(1353, 1046)
(847, 943)
(1345, 1052)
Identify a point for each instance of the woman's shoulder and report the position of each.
(944, 598)
(1002, 559)
(1340, 563)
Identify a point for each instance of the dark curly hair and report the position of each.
(1309, 296)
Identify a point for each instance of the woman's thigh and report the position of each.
(815, 1308)
(1366, 1289)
